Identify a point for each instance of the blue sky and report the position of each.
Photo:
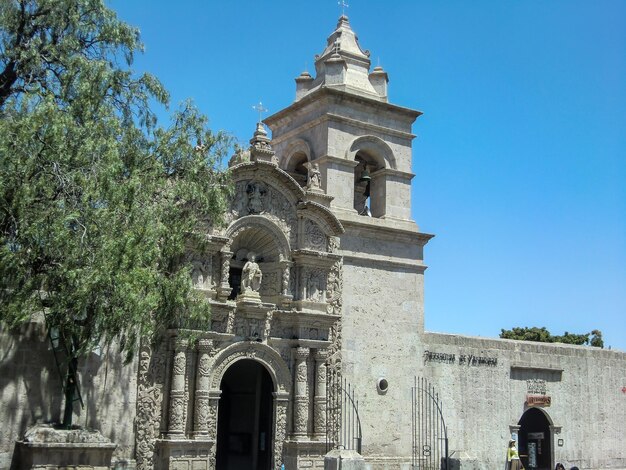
(520, 156)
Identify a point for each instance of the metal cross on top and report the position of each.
(343, 5)
(259, 108)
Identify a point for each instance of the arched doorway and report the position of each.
(244, 424)
(535, 440)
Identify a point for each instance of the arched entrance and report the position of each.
(244, 424)
(535, 440)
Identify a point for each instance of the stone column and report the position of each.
(281, 401)
(176, 425)
(201, 409)
(225, 288)
(319, 399)
(301, 396)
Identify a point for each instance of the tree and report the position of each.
(544, 336)
(98, 203)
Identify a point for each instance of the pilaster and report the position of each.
(201, 408)
(301, 396)
(178, 398)
(319, 399)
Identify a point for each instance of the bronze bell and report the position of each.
(365, 176)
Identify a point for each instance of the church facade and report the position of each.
(316, 282)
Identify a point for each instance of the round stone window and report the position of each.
(382, 385)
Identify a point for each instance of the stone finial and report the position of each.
(241, 155)
(260, 146)
(304, 82)
(379, 81)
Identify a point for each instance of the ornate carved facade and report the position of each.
(290, 326)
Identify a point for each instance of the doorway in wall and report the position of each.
(535, 440)
(244, 423)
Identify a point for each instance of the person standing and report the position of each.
(512, 457)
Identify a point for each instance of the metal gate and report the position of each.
(343, 425)
(430, 435)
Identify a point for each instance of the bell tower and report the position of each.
(342, 120)
(342, 132)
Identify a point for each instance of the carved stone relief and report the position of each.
(270, 285)
(253, 197)
(249, 327)
(280, 416)
(333, 244)
(314, 237)
(316, 285)
(250, 350)
(152, 363)
(333, 297)
(256, 193)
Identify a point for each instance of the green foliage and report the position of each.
(542, 335)
(98, 204)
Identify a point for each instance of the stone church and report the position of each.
(317, 337)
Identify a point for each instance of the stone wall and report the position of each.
(31, 392)
(483, 401)
(382, 322)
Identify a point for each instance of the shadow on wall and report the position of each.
(31, 390)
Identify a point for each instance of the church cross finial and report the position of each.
(343, 4)
(259, 108)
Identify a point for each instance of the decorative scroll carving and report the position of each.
(251, 350)
(212, 418)
(252, 197)
(334, 288)
(270, 284)
(201, 413)
(177, 410)
(280, 416)
(179, 364)
(314, 236)
(149, 403)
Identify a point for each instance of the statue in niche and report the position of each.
(315, 287)
(314, 177)
(251, 276)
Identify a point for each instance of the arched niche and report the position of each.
(372, 155)
(297, 155)
(258, 236)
